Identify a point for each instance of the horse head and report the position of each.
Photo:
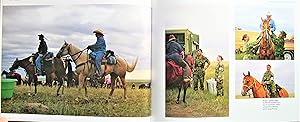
(64, 50)
(15, 65)
(248, 83)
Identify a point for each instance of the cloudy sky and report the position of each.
(284, 73)
(248, 14)
(204, 19)
(127, 31)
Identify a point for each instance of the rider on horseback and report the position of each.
(174, 51)
(98, 49)
(268, 81)
(41, 54)
(271, 25)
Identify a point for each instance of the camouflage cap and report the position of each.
(283, 33)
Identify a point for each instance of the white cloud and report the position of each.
(127, 35)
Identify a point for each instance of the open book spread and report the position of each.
(149, 60)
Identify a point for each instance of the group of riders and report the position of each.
(174, 52)
(250, 48)
(98, 51)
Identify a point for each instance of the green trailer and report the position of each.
(187, 39)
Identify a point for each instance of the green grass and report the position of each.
(136, 105)
(199, 103)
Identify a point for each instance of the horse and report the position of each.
(13, 75)
(266, 45)
(85, 68)
(56, 71)
(174, 75)
(258, 89)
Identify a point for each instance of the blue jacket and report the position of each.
(173, 47)
(99, 45)
(272, 25)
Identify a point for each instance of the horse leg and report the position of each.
(124, 86)
(184, 91)
(60, 85)
(35, 84)
(81, 79)
(112, 85)
(179, 90)
(85, 88)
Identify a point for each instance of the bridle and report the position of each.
(68, 49)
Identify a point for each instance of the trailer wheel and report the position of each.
(288, 55)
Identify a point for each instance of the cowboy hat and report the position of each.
(99, 31)
(269, 13)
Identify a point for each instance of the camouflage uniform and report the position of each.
(219, 76)
(268, 79)
(279, 48)
(250, 50)
(199, 74)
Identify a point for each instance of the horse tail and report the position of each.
(131, 67)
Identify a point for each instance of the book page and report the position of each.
(76, 61)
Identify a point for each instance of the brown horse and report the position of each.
(258, 89)
(56, 71)
(85, 68)
(174, 75)
(266, 45)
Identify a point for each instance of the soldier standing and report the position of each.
(250, 48)
(268, 81)
(279, 45)
(201, 64)
(219, 76)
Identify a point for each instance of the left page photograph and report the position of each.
(76, 60)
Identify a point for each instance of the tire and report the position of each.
(288, 55)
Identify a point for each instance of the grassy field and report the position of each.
(137, 104)
(291, 95)
(199, 103)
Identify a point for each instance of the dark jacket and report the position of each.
(173, 47)
(43, 48)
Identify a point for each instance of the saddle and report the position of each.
(173, 70)
(46, 61)
(108, 58)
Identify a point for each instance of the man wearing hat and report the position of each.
(279, 45)
(174, 51)
(98, 49)
(201, 64)
(268, 81)
(42, 50)
(271, 22)
(250, 48)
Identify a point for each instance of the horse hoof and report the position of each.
(77, 99)
(86, 99)
(57, 94)
(177, 102)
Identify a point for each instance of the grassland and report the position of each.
(200, 103)
(136, 105)
(291, 95)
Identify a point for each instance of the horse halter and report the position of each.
(251, 86)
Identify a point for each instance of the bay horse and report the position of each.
(56, 71)
(266, 45)
(174, 75)
(13, 75)
(85, 68)
(258, 89)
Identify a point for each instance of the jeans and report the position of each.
(38, 65)
(98, 59)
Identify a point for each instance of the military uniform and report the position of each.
(268, 79)
(279, 48)
(250, 50)
(199, 74)
(219, 77)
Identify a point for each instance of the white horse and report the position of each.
(84, 67)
